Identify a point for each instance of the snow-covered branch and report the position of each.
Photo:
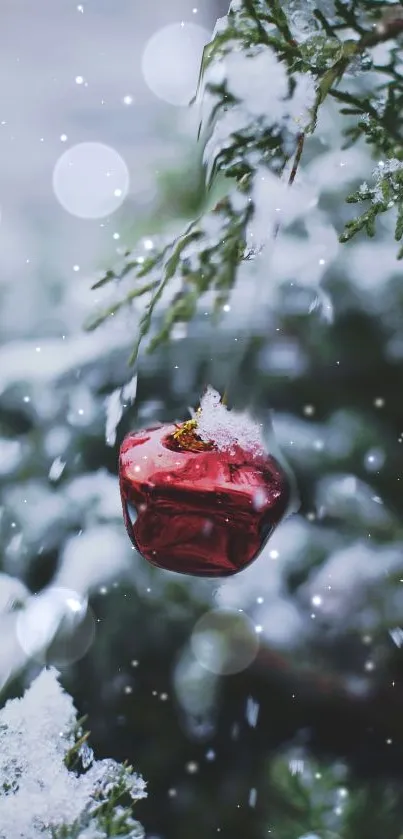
(51, 786)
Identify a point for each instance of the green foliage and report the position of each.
(386, 193)
(111, 811)
(308, 798)
(112, 817)
(206, 255)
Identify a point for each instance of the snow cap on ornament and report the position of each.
(202, 497)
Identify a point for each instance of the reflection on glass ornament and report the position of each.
(171, 61)
(225, 642)
(56, 627)
(190, 491)
(91, 180)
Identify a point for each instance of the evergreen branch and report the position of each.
(264, 38)
(328, 29)
(315, 799)
(206, 257)
(385, 194)
(51, 784)
(279, 18)
(297, 159)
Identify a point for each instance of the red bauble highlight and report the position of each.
(194, 509)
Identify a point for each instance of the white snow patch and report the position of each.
(260, 82)
(19, 361)
(10, 455)
(227, 428)
(351, 579)
(12, 592)
(275, 202)
(43, 509)
(96, 556)
(96, 494)
(12, 656)
(37, 791)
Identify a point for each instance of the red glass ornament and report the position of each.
(192, 508)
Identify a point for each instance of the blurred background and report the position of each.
(99, 152)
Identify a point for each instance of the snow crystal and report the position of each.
(226, 428)
(382, 171)
(37, 791)
(86, 755)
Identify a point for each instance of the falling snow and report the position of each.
(252, 712)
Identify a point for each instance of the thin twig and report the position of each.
(391, 26)
(297, 158)
(293, 173)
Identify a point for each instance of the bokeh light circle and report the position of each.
(91, 180)
(225, 642)
(56, 627)
(171, 61)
